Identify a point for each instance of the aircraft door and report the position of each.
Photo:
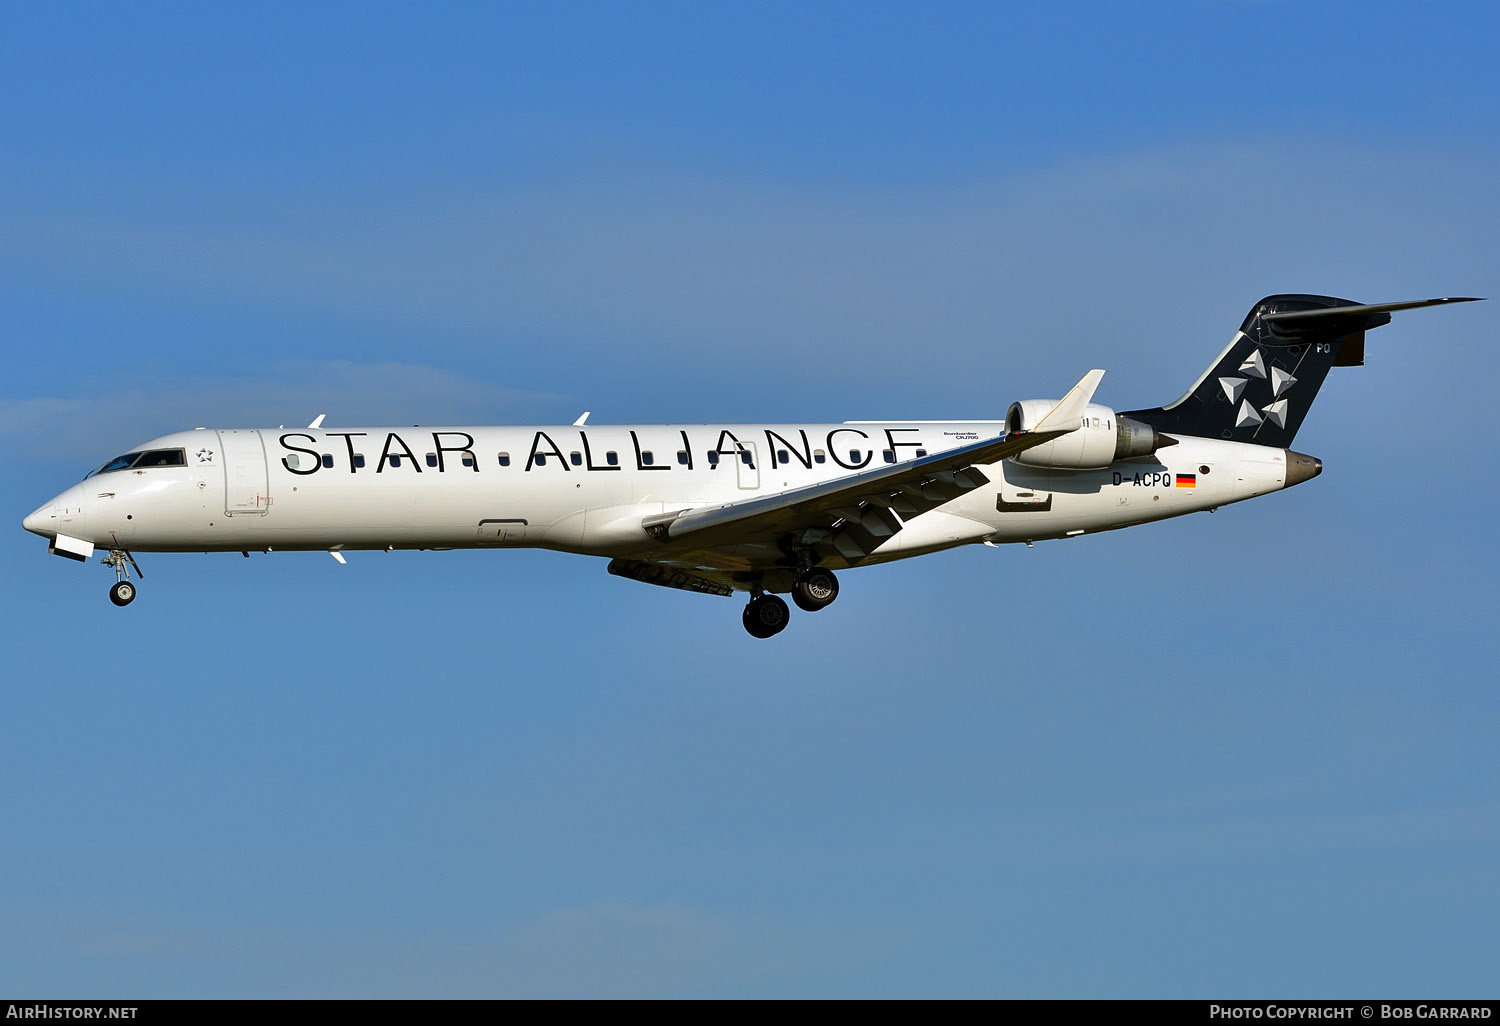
(246, 488)
(747, 465)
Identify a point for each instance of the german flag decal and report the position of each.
(1187, 480)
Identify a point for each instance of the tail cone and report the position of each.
(1300, 467)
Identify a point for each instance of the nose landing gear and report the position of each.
(122, 592)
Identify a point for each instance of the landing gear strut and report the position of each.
(815, 589)
(122, 592)
(765, 615)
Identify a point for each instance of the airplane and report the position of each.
(763, 509)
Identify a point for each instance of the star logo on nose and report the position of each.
(205, 455)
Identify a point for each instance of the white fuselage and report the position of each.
(587, 489)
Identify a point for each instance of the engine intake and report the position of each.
(1103, 437)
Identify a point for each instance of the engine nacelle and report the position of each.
(1103, 437)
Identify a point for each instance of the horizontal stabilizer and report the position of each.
(1369, 308)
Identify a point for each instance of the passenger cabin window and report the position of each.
(819, 456)
(713, 459)
(505, 459)
(612, 458)
(359, 460)
(294, 461)
(540, 459)
(921, 453)
(327, 461)
(682, 457)
(782, 456)
(468, 458)
(853, 455)
(432, 459)
(395, 460)
(575, 458)
(890, 455)
(647, 459)
(745, 457)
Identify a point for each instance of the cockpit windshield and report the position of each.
(118, 463)
(140, 460)
(162, 458)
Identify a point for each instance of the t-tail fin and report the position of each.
(1263, 383)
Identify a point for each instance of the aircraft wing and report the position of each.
(861, 510)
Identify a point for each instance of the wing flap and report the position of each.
(705, 582)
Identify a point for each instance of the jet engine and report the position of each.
(1103, 437)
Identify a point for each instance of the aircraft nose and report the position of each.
(63, 514)
(43, 521)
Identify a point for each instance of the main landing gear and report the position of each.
(767, 615)
(122, 592)
(815, 589)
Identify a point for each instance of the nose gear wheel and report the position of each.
(122, 592)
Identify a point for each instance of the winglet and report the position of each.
(318, 421)
(1068, 412)
(582, 419)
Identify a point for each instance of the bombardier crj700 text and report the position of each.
(763, 509)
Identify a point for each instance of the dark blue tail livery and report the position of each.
(1264, 382)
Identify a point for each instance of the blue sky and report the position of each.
(1246, 754)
